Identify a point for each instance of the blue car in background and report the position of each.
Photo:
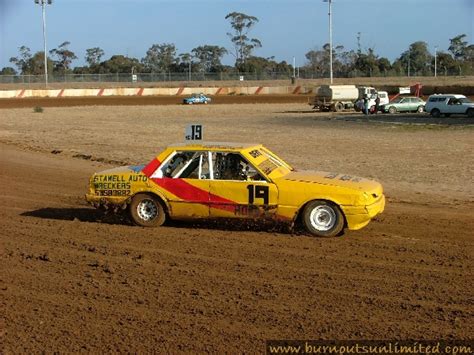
(196, 99)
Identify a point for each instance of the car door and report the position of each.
(241, 193)
(184, 178)
(410, 104)
(457, 107)
(402, 105)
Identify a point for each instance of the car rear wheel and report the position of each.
(435, 112)
(147, 211)
(420, 109)
(392, 109)
(339, 106)
(323, 219)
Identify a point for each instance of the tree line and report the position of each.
(164, 58)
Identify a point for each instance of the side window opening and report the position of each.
(187, 165)
(232, 166)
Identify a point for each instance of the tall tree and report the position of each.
(160, 57)
(367, 63)
(458, 47)
(267, 66)
(36, 64)
(64, 57)
(22, 62)
(445, 63)
(318, 59)
(243, 45)
(417, 58)
(120, 64)
(7, 71)
(384, 65)
(209, 57)
(93, 56)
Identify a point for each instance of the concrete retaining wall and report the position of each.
(183, 91)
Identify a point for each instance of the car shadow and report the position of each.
(98, 216)
(237, 225)
(76, 214)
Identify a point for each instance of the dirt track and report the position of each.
(74, 281)
(147, 100)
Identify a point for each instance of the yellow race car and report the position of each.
(232, 180)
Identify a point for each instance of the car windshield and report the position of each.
(398, 99)
(465, 100)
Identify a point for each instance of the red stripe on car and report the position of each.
(190, 193)
(151, 167)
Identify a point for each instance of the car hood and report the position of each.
(335, 179)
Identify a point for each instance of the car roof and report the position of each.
(214, 145)
(457, 96)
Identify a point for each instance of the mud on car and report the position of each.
(234, 180)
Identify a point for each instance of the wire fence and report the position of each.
(197, 78)
(174, 77)
(141, 77)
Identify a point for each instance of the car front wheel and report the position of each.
(470, 112)
(147, 211)
(392, 109)
(420, 109)
(323, 219)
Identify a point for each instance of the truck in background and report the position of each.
(346, 97)
(335, 97)
(372, 94)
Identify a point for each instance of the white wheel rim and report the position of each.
(147, 210)
(323, 218)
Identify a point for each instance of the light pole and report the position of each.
(190, 62)
(436, 61)
(330, 38)
(43, 5)
(408, 71)
(294, 67)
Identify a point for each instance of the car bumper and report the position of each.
(358, 217)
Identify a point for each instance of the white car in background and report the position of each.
(448, 105)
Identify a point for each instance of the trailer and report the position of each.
(335, 97)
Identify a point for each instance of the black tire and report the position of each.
(420, 109)
(392, 109)
(147, 211)
(323, 219)
(470, 112)
(339, 106)
(435, 112)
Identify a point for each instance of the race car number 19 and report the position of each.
(193, 132)
(258, 191)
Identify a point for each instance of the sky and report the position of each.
(286, 28)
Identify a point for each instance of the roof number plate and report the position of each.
(193, 132)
